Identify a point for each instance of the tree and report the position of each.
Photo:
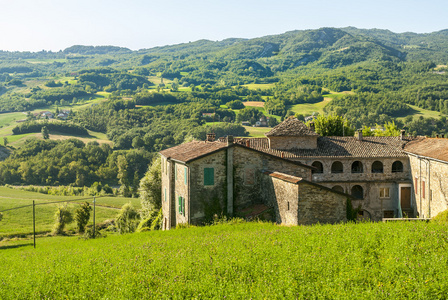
(127, 220)
(45, 133)
(272, 122)
(5, 141)
(333, 125)
(63, 217)
(82, 216)
(151, 188)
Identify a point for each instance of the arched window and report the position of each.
(338, 188)
(377, 167)
(397, 167)
(319, 167)
(357, 167)
(357, 192)
(337, 167)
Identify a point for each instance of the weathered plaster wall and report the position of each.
(430, 182)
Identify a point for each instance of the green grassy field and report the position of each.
(257, 131)
(261, 86)
(307, 109)
(417, 112)
(240, 261)
(19, 222)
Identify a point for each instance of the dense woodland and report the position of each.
(156, 98)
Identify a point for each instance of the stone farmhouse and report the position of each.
(299, 177)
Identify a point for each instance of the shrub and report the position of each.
(63, 217)
(127, 219)
(90, 234)
(1, 216)
(82, 216)
(441, 217)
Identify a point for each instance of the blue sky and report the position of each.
(34, 25)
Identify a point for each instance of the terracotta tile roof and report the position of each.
(291, 127)
(192, 150)
(336, 146)
(429, 147)
(285, 177)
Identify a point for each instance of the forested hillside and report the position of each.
(141, 102)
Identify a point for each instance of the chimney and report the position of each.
(229, 140)
(359, 135)
(402, 134)
(312, 127)
(210, 137)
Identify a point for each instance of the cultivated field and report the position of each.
(239, 261)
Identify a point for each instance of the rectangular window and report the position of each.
(389, 214)
(185, 175)
(384, 193)
(209, 176)
(181, 204)
(423, 189)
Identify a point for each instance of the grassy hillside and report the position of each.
(248, 260)
(20, 221)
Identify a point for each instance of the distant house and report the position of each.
(245, 123)
(62, 116)
(310, 118)
(46, 114)
(263, 122)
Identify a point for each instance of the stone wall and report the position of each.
(169, 218)
(292, 142)
(208, 200)
(430, 186)
(248, 166)
(374, 206)
(318, 205)
(283, 196)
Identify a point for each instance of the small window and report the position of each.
(185, 175)
(209, 176)
(319, 167)
(377, 167)
(384, 193)
(338, 188)
(337, 167)
(357, 167)
(358, 192)
(288, 205)
(397, 167)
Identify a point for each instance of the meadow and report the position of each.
(236, 261)
(19, 222)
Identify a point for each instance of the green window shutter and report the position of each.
(209, 176)
(183, 206)
(180, 204)
(185, 175)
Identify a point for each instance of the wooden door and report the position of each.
(405, 197)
